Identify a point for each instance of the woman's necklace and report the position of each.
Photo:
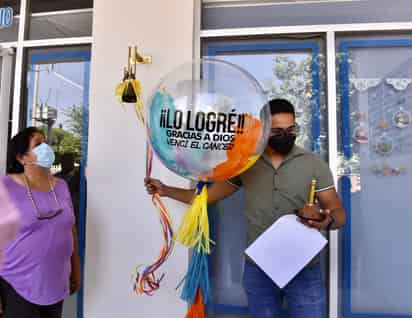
(49, 214)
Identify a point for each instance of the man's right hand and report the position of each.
(218, 191)
(154, 186)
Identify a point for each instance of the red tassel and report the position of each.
(197, 309)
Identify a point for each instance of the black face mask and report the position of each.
(282, 145)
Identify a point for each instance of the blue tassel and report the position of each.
(197, 277)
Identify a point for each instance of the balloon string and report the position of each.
(146, 281)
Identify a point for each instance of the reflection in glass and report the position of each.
(289, 75)
(56, 104)
(61, 25)
(10, 33)
(14, 4)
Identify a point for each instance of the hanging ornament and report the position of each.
(401, 118)
(363, 84)
(386, 170)
(359, 116)
(399, 84)
(360, 134)
(384, 145)
(129, 89)
(383, 124)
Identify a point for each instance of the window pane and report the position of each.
(9, 25)
(53, 5)
(301, 13)
(61, 25)
(376, 150)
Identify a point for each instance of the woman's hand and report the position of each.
(75, 275)
(75, 280)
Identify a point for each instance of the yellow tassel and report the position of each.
(194, 229)
(120, 88)
(119, 91)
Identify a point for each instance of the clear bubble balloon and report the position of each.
(208, 120)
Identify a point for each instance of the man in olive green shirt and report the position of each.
(279, 184)
(271, 193)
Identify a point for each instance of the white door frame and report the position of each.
(7, 57)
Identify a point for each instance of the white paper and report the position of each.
(284, 249)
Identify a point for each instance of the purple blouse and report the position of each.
(37, 264)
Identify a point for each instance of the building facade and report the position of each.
(347, 67)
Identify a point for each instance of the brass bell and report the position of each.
(129, 95)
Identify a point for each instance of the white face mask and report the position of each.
(45, 155)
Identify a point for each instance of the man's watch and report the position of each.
(332, 221)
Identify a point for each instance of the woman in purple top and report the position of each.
(40, 267)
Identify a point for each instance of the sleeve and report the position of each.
(9, 219)
(235, 181)
(324, 176)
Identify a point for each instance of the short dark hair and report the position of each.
(67, 161)
(18, 146)
(279, 106)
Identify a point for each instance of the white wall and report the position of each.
(122, 226)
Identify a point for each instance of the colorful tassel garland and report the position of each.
(194, 232)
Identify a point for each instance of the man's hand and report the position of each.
(321, 225)
(154, 186)
(313, 217)
(218, 191)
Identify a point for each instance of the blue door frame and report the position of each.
(346, 138)
(82, 55)
(261, 47)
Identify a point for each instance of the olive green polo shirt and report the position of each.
(271, 193)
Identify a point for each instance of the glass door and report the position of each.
(58, 103)
(291, 69)
(375, 86)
